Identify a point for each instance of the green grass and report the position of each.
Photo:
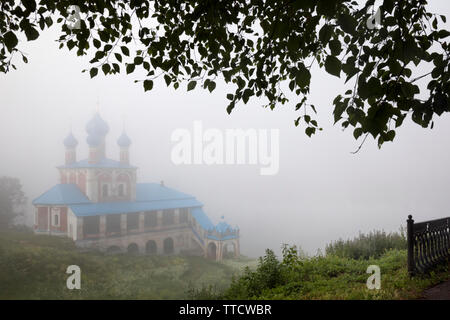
(330, 277)
(34, 267)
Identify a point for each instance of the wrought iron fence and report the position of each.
(428, 244)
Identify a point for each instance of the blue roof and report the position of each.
(156, 191)
(223, 227)
(62, 194)
(102, 208)
(103, 163)
(202, 218)
(149, 196)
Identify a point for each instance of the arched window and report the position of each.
(104, 190)
(121, 190)
(150, 247)
(55, 216)
(168, 246)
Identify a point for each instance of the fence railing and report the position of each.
(428, 244)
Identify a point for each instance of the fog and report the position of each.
(321, 192)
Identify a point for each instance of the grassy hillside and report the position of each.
(33, 267)
(330, 277)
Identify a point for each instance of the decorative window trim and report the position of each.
(56, 212)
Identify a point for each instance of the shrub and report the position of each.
(374, 244)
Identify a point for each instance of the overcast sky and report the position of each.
(322, 192)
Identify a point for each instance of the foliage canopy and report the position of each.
(11, 199)
(258, 45)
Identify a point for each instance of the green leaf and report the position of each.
(125, 50)
(247, 94)
(211, 86)
(357, 133)
(390, 135)
(130, 68)
(167, 79)
(333, 66)
(335, 47)
(443, 33)
(30, 5)
(106, 68)
(191, 85)
(93, 72)
(148, 85)
(303, 76)
(325, 33)
(31, 33)
(309, 131)
(10, 40)
(96, 43)
(347, 23)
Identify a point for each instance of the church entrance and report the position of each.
(168, 246)
(150, 247)
(212, 249)
(133, 248)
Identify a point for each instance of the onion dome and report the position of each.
(70, 141)
(124, 140)
(93, 140)
(97, 126)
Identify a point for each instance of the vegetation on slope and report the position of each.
(369, 245)
(34, 267)
(338, 275)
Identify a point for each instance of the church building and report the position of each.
(99, 205)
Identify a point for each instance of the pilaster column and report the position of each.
(219, 251)
(177, 216)
(79, 228)
(123, 223)
(49, 220)
(102, 226)
(141, 221)
(159, 219)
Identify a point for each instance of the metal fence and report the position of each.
(428, 244)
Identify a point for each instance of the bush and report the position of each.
(374, 244)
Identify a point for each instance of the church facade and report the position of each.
(99, 205)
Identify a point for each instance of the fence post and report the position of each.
(410, 241)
